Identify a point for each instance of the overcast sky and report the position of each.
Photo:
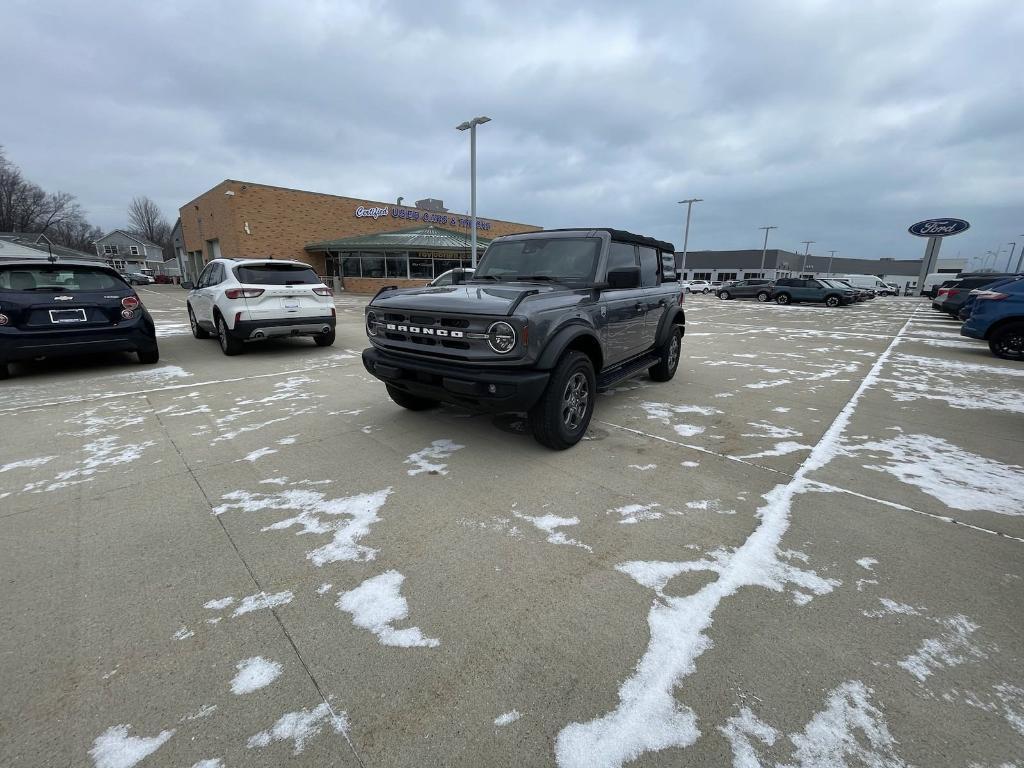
(840, 122)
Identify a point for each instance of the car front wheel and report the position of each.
(1008, 342)
(229, 345)
(561, 416)
(782, 298)
(831, 301)
(763, 296)
(724, 295)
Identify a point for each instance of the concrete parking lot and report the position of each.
(807, 549)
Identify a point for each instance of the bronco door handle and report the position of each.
(639, 307)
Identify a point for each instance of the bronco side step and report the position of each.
(610, 378)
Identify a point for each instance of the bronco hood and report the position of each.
(467, 299)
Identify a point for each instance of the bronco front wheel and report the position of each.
(561, 416)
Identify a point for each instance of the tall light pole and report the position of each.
(807, 250)
(1021, 257)
(470, 125)
(1009, 261)
(686, 232)
(831, 255)
(764, 250)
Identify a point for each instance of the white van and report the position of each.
(868, 281)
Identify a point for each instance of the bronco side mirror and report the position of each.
(624, 277)
(188, 285)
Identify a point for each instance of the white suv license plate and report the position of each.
(290, 303)
(67, 316)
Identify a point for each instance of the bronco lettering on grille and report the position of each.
(398, 328)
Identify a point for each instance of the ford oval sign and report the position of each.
(939, 227)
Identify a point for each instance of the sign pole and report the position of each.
(931, 257)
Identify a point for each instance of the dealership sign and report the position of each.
(427, 217)
(939, 227)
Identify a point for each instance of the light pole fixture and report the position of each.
(807, 250)
(470, 125)
(764, 249)
(686, 232)
(1020, 258)
(831, 255)
(1009, 261)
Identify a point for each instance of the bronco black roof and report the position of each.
(617, 234)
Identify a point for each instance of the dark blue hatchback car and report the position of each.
(998, 318)
(70, 308)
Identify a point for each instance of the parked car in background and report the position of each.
(697, 286)
(137, 278)
(894, 289)
(934, 281)
(956, 295)
(859, 294)
(244, 300)
(745, 289)
(449, 277)
(70, 308)
(942, 291)
(868, 283)
(791, 290)
(998, 318)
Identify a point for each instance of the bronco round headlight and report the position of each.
(501, 337)
(371, 323)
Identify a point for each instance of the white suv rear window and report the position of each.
(276, 274)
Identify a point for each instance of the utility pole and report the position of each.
(1021, 257)
(686, 232)
(807, 250)
(764, 250)
(831, 255)
(1009, 261)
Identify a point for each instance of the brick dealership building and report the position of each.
(357, 244)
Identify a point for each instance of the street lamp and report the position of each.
(1009, 261)
(686, 233)
(1021, 257)
(831, 255)
(470, 125)
(807, 249)
(764, 249)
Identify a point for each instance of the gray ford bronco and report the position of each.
(548, 320)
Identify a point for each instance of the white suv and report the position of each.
(241, 300)
(698, 286)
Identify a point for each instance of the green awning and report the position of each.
(415, 239)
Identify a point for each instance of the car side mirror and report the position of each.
(624, 277)
(188, 285)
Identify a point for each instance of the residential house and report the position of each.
(35, 245)
(130, 253)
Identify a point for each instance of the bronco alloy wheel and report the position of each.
(561, 416)
(670, 351)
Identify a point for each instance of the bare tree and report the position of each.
(25, 207)
(78, 234)
(145, 219)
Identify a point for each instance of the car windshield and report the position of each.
(276, 274)
(555, 259)
(56, 279)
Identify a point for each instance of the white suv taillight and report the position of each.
(243, 293)
(322, 291)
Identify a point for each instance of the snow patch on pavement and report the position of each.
(959, 479)
(429, 459)
(300, 727)
(346, 519)
(376, 604)
(114, 748)
(183, 633)
(867, 563)
(259, 453)
(548, 524)
(218, 604)
(254, 673)
(262, 600)
(634, 513)
(507, 719)
(953, 648)
(27, 463)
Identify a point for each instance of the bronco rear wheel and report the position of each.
(669, 353)
(561, 416)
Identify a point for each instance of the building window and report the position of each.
(726, 275)
(748, 275)
(133, 250)
(397, 266)
(373, 266)
(118, 264)
(421, 269)
(110, 250)
(701, 275)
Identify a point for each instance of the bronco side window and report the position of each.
(648, 266)
(621, 255)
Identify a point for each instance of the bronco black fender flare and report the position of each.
(574, 335)
(673, 317)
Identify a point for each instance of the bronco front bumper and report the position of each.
(486, 389)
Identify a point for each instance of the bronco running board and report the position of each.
(609, 379)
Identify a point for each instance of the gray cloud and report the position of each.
(842, 123)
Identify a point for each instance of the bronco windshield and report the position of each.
(558, 259)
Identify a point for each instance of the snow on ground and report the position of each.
(259, 453)
(346, 519)
(958, 478)
(254, 673)
(260, 601)
(183, 633)
(429, 459)
(300, 727)
(950, 649)
(781, 448)
(507, 719)
(548, 524)
(100, 456)
(850, 730)
(376, 604)
(217, 605)
(634, 513)
(26, 463)
(114, 748)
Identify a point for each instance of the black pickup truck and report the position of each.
(548, 320)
